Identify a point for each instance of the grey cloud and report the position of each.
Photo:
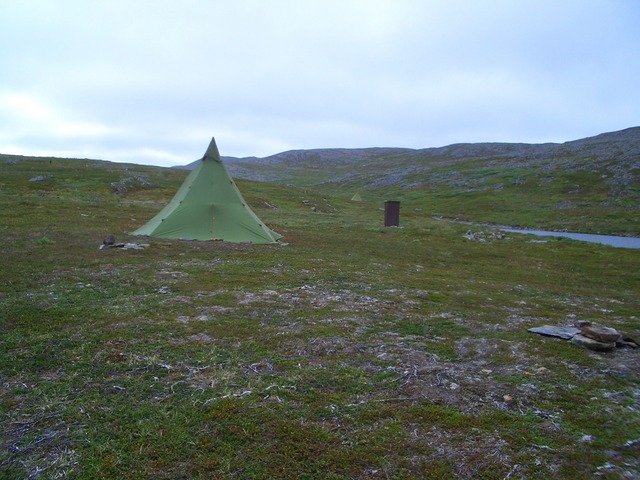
(150, 82)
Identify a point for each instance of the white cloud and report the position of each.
(24, 107)
(31, 116)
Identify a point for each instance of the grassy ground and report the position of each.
(565, 197)
(353, 351)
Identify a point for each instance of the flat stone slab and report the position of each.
(566, 333)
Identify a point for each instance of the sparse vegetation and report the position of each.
(354, 351)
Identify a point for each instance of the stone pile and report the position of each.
(482, 236)
(589, 335)
(110, 242)
(131, 184)
(595, 337)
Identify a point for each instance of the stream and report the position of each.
(611, 240)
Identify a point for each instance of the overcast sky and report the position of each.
(151, 81)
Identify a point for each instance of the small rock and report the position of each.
(586, 439)
(592, 344)
(622, 344)
(626, 341)
(133, 246)
(582, 323)
(600, 333)
(507, 398)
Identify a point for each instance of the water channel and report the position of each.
(612, 240)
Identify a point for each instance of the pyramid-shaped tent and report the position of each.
(209, 206)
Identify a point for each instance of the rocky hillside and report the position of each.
(615, 155)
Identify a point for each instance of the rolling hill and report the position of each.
(588, 185)
(616, 153)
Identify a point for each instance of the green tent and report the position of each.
(209, 206)
(356, 198)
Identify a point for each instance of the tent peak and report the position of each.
(212, 152)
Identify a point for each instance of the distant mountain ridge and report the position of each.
(385, 166)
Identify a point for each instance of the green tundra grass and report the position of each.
(350, 351)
